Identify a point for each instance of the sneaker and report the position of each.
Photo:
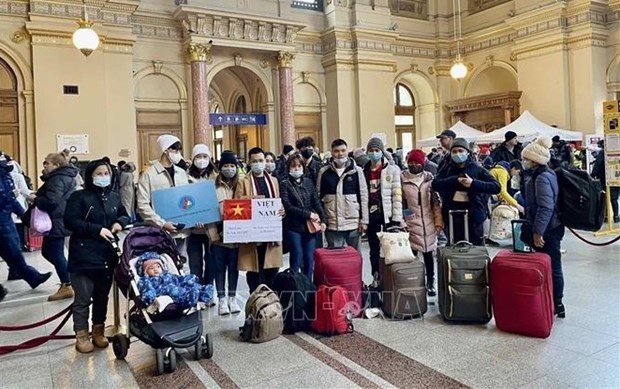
(223, 308)
(212, 302)
(64, 292)
(233, 306)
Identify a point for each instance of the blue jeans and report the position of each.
(225, 260)
(13, 256)
(552, 247)
(337, 239)
(54, 251)
(200, 262)
(301, 246)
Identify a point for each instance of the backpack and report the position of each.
(297, 294)
(581, 201)
(333, 312)
(263, 314)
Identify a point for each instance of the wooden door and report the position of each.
(9, 115)
(151, 125)
(308, 124)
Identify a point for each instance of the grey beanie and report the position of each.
(375, 143)
(461, 142)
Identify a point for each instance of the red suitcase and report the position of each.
(522, 293)
(33, 241)
(341, 267)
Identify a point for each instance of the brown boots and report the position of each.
(82, 342)
(64, 292)
(99, 339)
(82, 339)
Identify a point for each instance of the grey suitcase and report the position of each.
(463, 279)
(403, 287)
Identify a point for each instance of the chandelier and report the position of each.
(458, 69)
(85, 38)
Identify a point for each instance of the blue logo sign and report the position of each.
(186, 203)
(237, 119)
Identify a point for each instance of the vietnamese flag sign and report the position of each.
(252, 221)
(238, 210)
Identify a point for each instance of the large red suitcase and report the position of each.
(341, 267)
(522, 293)
(33, 241)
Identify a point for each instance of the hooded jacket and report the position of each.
(53, 195)
(88, 211)
(541, 198)
(424, 202)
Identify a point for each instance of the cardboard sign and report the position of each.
(252, 221)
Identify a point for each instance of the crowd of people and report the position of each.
(331, 201)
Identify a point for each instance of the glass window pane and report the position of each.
(219, 134)
(403, 120)
(406, 139)
(404, 97)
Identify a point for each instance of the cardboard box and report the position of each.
(611, 107)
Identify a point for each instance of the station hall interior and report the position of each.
(238, 74)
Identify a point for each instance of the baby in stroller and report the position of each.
(158, 287)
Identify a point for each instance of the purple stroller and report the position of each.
(170, 329)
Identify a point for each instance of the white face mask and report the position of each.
(270, 167)
(515, 182)
(340, 162)
(174, 157)
(201, 163)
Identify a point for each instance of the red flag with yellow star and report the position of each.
(237, 210)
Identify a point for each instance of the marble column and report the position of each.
(287, 116)
(198, 54)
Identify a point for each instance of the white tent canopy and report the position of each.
(527, 127)
(461, 129)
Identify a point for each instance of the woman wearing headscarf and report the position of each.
(93, 215)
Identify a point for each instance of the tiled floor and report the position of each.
(583, 350)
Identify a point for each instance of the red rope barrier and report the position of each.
(594, 243)
(37, 324)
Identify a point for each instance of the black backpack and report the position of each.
(297, 295)
(581, 201)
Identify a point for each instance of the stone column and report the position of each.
(197, 54)
(287, 118)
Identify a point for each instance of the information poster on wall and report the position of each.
(612, 144)
(76, 144)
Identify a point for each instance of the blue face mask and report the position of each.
(375, 156)
(296, 173)
(102, 181)
(459, 158)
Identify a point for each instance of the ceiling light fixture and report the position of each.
(85, 38)
(458, 69)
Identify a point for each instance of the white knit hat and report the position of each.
(165, 141)
(538, 151)
(200, 149)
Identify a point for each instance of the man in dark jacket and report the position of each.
(281, 172)
(598, 172)
(445, 139)
(9, 249)
(463, 185)
(509, 150)
(306, 147)
(561, 153)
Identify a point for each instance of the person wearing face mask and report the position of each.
(225, 256)
(541, 212)
(10, 251)
(385, 205)
(200, 261)
(58, 184)
(463, 185)
(343, 191)
(299, 197)
(424, 220)
(270, 164)
(262, 261)
(93, 215)
(306, 148)
(162, 174)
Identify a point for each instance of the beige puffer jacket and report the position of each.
(423, 201)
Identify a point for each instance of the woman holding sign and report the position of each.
(225, 256)
(200, 263)
(261, 260)
(305, 218)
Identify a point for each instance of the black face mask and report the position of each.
(417, 169)
(307, 153)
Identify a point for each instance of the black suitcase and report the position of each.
(463, 278)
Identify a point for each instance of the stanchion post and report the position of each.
(610, 216)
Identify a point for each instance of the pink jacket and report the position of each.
(423, 201)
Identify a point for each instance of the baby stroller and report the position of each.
(164, 331)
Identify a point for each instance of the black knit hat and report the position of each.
(509, 135)
(227, 157)
(287, 149)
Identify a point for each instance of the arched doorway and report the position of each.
(239, 90)
(9, 113)
(404, 117)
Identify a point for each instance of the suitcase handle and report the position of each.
(463, 246)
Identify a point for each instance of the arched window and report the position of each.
(404, 117)
(315, 5)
